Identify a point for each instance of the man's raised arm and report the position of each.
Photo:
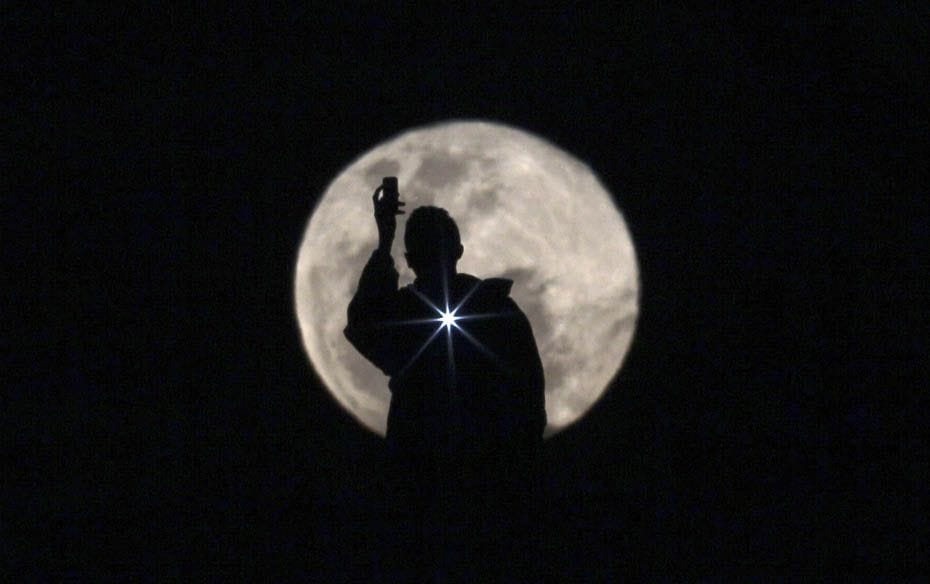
(371, 306)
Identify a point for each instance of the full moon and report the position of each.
(527, 211)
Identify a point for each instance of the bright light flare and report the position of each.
(448, 319)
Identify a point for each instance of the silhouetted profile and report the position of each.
(467, 411)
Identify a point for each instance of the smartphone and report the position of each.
(389, 186)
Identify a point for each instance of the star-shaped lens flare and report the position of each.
(448, 319)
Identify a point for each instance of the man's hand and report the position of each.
(386, 210)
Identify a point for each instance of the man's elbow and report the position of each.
(353, 333)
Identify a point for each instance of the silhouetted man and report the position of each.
(467, 409)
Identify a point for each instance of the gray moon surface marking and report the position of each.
(526, 210)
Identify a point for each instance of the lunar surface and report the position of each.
(526, 210)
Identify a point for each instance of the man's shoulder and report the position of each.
(488, 291)
(406, 294)
(497, 287)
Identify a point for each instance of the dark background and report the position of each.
(162, 420)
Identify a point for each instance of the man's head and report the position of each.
(432, 241)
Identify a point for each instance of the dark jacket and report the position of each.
(475, 389)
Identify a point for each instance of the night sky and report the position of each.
(162, 418)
